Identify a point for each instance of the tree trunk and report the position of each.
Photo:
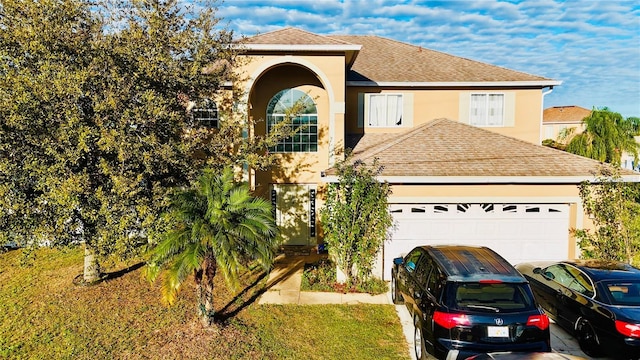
(205, 292)
(91, 265)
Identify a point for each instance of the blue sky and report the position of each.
(593, 47)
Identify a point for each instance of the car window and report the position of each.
(624, 292)
(491, 297)
(412, 259)
(423, 269)
(434, 285)
(570, 277)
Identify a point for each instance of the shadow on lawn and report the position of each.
(79, 279)
(229, 311)
(255, 291)
(119, 273)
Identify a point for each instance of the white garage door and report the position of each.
(518, 232)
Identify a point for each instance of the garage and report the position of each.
(518, 232)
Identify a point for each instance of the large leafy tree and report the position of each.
(355, 218)
(613, 207)
(217, 225)
(606, 136)
(95, 122)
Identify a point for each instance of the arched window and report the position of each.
(305, 123)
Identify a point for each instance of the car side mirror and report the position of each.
(398, 261)
(549, 275)
(546, 274)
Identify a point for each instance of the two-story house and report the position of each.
(458, 139)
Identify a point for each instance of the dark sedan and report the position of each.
(597, 301)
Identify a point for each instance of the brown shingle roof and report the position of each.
(565, 114)
(445, 147)
(386, 60)
(293, 36)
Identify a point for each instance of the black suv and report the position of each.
(467, 300)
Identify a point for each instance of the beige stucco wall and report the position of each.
(552, 130)
(323, 78)
(522, 109)
(491, 191)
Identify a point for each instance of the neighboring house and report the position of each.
(458, 139)
(628, 161)
(561, 123)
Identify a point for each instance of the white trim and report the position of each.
(544, 93)
(568, 122)
(448, 180)
(543, 83)
(284, 47)
(484, 199)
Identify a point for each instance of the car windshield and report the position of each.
(623, 292)
(491, 297)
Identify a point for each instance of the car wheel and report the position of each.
(395, 293)
(588, 341)
(418, 341)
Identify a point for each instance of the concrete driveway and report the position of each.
(561, 341)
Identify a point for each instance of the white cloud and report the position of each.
(592, 46)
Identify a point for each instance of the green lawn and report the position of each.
(43, 315)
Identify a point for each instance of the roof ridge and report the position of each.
(400, 138)
(320, 35)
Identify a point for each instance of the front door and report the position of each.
(293, 208)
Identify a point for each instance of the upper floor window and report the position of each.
(205, 113)
(305, 123)
(385, 110)
(486, 110)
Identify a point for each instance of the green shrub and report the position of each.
(321, 276)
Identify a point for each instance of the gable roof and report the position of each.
(564, 114)
(296, 40)
(376, 61)
(293, 36)
(444, 150)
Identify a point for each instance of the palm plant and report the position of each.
(607, 135)
(218, 225)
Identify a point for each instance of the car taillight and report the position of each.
(450, 320)
(490, 281)
(539, 321)
(627, 329)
